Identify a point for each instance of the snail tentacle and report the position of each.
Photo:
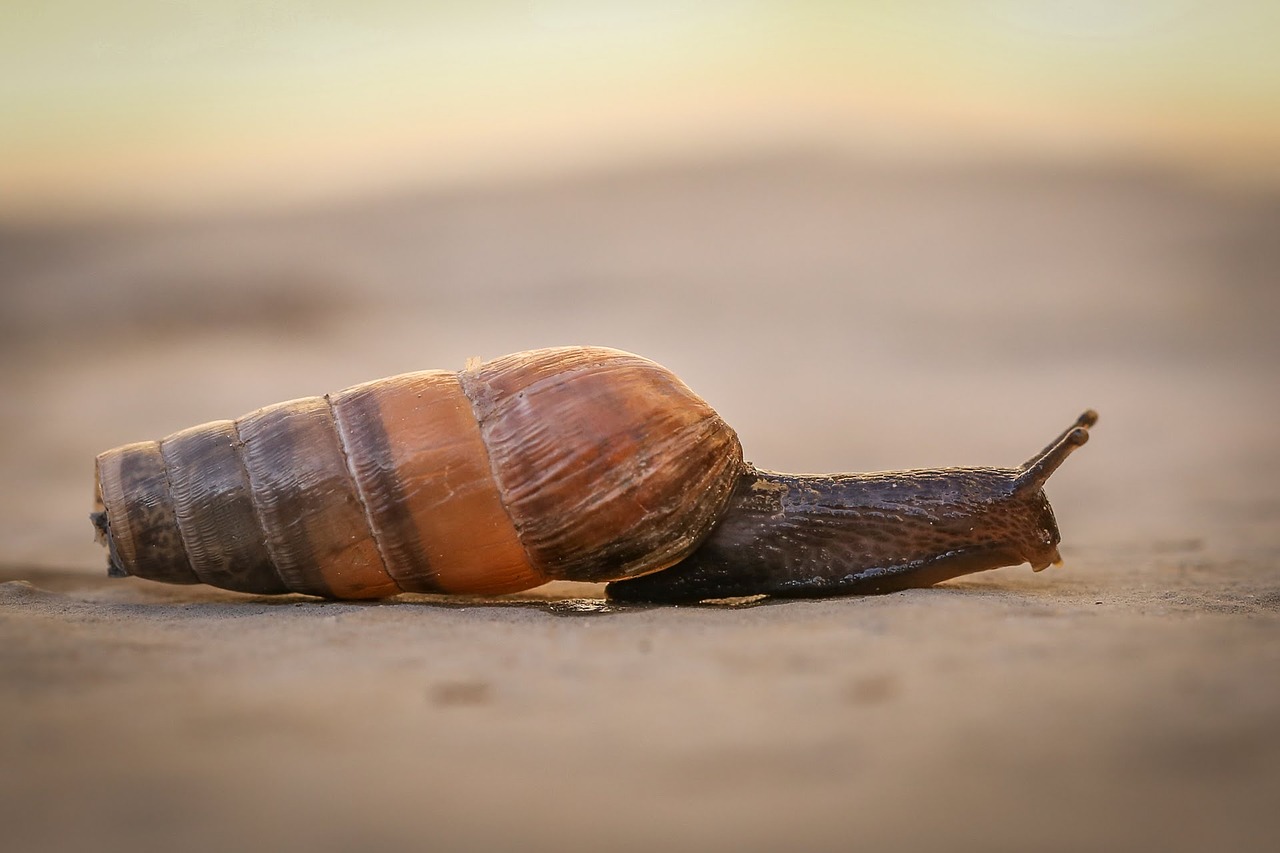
(1036, 470)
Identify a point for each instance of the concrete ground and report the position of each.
(842, 316)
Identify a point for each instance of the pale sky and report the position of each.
(133, 106)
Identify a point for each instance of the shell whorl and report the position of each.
(575, 463)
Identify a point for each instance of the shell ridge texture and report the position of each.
(354, 481)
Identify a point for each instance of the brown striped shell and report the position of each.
(574, 463)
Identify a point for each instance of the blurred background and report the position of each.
(873, 235)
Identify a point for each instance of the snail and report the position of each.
(572, 463)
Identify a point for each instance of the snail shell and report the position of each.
(575, 463)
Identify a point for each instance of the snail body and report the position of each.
(575, 463)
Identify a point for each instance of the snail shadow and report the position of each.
(568, 606)
(573, 604)
(31, 586)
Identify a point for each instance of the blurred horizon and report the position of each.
(110, 109)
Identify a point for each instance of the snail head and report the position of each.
(1025, 508)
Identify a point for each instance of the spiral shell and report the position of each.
(575, 463)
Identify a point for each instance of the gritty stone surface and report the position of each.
(841, 317)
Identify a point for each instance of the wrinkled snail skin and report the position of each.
(574, 463)
(807, 536)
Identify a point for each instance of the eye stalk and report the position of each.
(1036, 470)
